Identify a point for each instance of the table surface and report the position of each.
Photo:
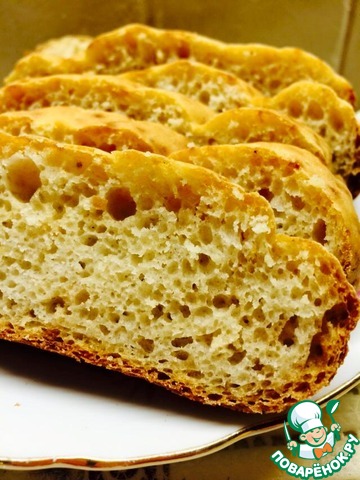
(247, 459)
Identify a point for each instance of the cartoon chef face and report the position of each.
(305, 417)
(314, 437)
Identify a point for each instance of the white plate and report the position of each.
(54, 412)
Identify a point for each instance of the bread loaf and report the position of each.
(132, 47)
(308, 201)
(105, 130)
(166, 271)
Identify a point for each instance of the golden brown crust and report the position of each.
(104, 130)
(247, 125)
(135, 46)
(107, 93)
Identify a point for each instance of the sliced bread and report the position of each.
(105, 130)
(307, 199)
(184, 115)
(314, 104)
(106, 93)
(251, 124)
(166, 271)
(135, 46)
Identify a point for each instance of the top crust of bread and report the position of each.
(251, 124)
(106, 93)
(107, 131)
(135, 46)
(184, 115)
(201, 295)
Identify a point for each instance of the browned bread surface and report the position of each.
(107, 131)
(182, 114)
(106, 93)
(166, 271)
(251, 124)
(268, 69)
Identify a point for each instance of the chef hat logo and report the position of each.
(305, 416)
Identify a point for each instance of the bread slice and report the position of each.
(334, 119)
(135, 46)
(307, 199)
(105, 130)
(215, 88)
(314, 104)
(55, 56)
(107, 93)
(184, 115)
(251, 124)
(165, 271)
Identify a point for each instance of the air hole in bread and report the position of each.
(207, 338)
(337, 315)
(205, 234)
(23, 178)
(204, 97)
(114, 318)
(287, 335)
(295, 108)
(316, 349)
(104, 330)
(319, 231)
(158, 311)
(214, 396)
(194, 374)
(120, 204)
(204, 259)
(7, 223)
(297, 203)
(221, 301)
(180, 354)
(258, 366)
(55, 303)
(302, 387)
(185, 310)
(272, 394)
(81, 297)
(172, 204)
(266, 193)
(315, 110)
(336, 121)
(89, 240)
(180, 342)
(237, 357)
(147, 344)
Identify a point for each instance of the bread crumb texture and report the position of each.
(165, 271)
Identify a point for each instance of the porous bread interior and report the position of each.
(314, 104)
(331, 117)
(307, 200)
(181, 281)
(214, 88)
(106, 93)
